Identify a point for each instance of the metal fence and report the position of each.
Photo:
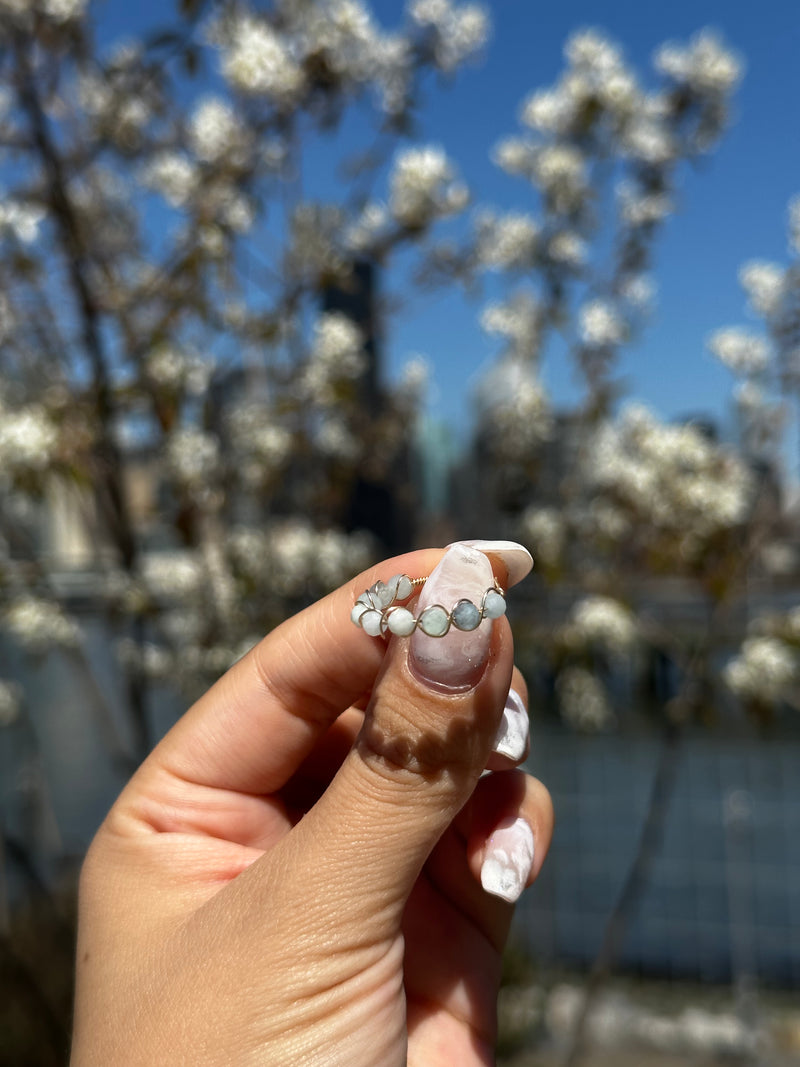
(723, 898)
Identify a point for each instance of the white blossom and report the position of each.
(345, 32)
(547, 110)
(193, 457)
(514, 407)
(765, 285)
(334, 438)
(367, 228)
(416, 377)
(258, 60)
(39, 624)
(337, 355)
(764, 670)
(568, 249)
(671, 476)
(638, 208)
(173, 175)
(650, 142)
(605, 622)
(214, 129)
(28, 440)
(174, 574)
(591, 50)
(583, 701)
(742, 352)
(506, 242)
(338, 342)
(64, 10)
(262, 444)
(705, 65)
(600, 325)
(467, 33)
(638, 291)
(544, 530)
(561, 171)
(422, 187)
(514, 156)
(461, 30)
(393, 63)
(58, 10)
(518, 320)
(20, 220)
(173, 368)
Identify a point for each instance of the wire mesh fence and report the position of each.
(722, 899)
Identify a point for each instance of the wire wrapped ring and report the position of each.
(379, 610)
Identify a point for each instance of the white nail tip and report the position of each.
(514, 729)
(508, 861)
(517, 559)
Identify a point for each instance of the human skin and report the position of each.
(289, 879)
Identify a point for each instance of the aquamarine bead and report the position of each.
(494, 604)
(466, 616)
(371, 623)
(434, 621)
(405, 587)
(401, 622)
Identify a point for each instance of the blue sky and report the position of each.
(732, 207)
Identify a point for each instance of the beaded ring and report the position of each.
(378, 611)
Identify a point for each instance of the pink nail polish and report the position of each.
(456, 660)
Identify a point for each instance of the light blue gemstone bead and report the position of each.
(466, 616)
(382, 595)
(371, 622)
(405, 587)
(401, 622)
(494, 605)
(357, 612)
(393, 583)
(434, 621)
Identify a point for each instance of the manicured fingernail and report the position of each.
(456, 660)
(516, 559)
(508, 860)
(514, 728)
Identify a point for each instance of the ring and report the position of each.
(378, 610)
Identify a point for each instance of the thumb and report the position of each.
(427, 735)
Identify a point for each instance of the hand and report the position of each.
(290, 880)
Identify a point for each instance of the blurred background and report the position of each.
(289, 287)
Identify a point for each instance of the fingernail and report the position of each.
(516, 559)
(456, 660)
(508, 860)
(514, 728)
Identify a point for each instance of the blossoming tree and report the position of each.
(188, 401)
(181, 321)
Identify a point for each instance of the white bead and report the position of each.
(401, 622)
(382, 595)
(357, 612)
(405, 587)
(371, 622)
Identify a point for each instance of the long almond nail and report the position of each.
(456, 660)
(508, 860)
(514, 729)
(516, 559)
